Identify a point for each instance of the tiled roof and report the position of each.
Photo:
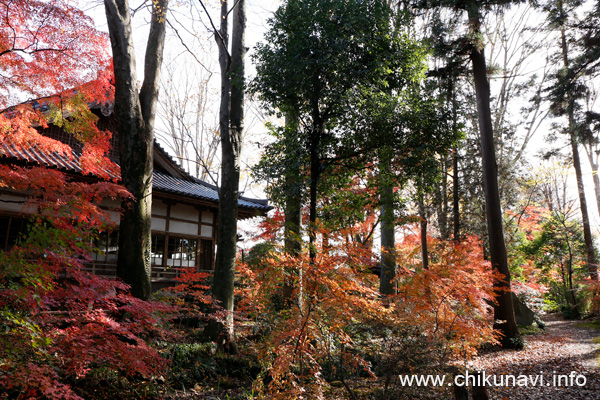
(193, 188)
(57, 160)
(199, 189)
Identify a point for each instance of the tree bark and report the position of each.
(388, 237)
(293, 219)
(455, 181)
(135, 115)
(504, 315)
(315, 174)
(594, 166)
(574, 311)
(292, 223)
(231, 126)
(441, 197)
(423, 223)
(455, 198)
(587, 232)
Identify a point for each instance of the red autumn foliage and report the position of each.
(52, 52)
(529, 219)
(272, 226)
(193, 298)
(47, 48)
(59, 321)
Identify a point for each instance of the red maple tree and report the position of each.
(54, 63)
(57, 321)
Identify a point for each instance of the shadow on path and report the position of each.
(558, 363)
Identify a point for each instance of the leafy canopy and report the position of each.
(52, 52)
(316, 51)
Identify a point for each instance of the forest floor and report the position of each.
(563, 348)
(554, 363)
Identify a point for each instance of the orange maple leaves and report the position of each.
(336, 296)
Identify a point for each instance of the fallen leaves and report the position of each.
(565, 347)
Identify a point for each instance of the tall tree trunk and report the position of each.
(441, 197)
(504, 314)
(231, 126)
(594, 165)
(388, 237)
(314, 142)
(315, 174)
(455, 198)
(293, 217)
(135, 114)
(574, 312)
(587, 232)
(455, 181)
(423, 223)
(315, 165)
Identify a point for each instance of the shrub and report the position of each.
(60, 325)
(340, 327)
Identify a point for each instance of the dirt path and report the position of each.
(564, 348)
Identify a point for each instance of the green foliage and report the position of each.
(559, 244)
(590, 325)
(567, 89)
(191, 362)
(539, 322)
(283, 164)
(338, 71)
(517, 343)
(529, 330)
(591, 42)
(315, 51)
(348, 79)
(551, 253)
